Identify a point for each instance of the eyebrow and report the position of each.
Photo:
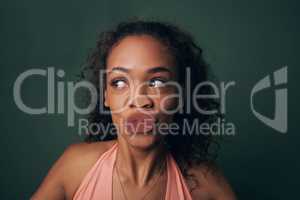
(150, 71)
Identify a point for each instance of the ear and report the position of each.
(105, 99)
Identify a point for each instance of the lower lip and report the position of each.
(140, 126)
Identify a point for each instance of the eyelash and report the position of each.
(114, 82)
(159, 79)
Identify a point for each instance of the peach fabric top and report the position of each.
(97, 184)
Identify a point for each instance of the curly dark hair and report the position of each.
(187, 149)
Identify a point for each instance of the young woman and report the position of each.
(144, 63)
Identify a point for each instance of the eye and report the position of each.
(118, 83)
(157, 82)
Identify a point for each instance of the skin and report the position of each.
(130, 64)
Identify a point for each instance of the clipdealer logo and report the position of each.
(280, 77)
(56, 90)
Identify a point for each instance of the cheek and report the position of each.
(167, 101)
(116, 104)
(117, 100)
(166, 106)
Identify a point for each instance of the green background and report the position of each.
(243, 41)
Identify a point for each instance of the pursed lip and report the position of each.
(140, 122)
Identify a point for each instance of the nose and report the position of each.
(140, 99)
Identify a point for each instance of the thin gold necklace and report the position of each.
(150, 189)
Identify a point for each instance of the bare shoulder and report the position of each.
(68, 171)
(79, 159)
(211, 183)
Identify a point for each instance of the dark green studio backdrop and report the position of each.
(243, 41)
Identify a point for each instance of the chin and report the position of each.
(143, 141)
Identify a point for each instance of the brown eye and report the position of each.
(118, 83)
(157, 82)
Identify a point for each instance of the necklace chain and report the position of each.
(148, 192)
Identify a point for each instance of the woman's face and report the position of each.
(138, 71)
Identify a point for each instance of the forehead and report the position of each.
(140, 53)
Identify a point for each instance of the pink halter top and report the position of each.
(97, 184)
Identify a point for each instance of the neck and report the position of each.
(137, 165)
